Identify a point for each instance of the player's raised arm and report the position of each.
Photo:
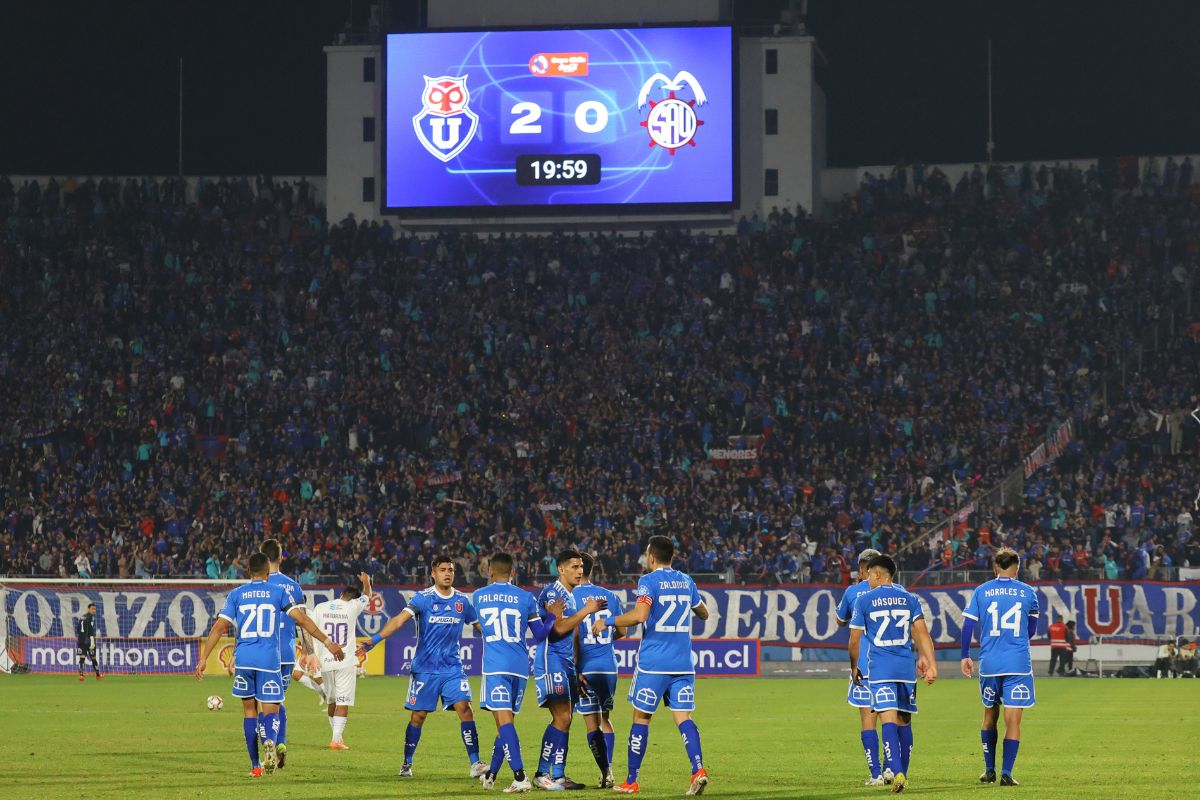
(541, 628)
(305, 622)
(562, 626)
(365, 580)
(219, 627)
(924, 643)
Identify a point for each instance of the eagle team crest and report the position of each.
(440, 125)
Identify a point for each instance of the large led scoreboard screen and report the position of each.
(612, 119)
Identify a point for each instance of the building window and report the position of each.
(369, 70)
(368, 190)
(771, 122)
(368, 129)
(771, 183)
(772, 61)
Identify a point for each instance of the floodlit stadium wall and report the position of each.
(161, 621)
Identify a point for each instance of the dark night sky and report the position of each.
(92, 87)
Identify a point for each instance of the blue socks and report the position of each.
(989, 748)
(905, 734)
(553, 758)
(250, 727)
(691, 743)
(270, 723)
(510, 746)
(599, 750)
(470, 738)
(639, 736)
(610, 744)
(1010, 755)
(282, 739)
(870, 743)
(412, 737)
(497, 756)
(891, 747)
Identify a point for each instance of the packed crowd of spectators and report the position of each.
(186, 370)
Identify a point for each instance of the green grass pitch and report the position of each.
(763, 738)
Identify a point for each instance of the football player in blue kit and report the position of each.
(252, 611)
(437, 671)
(667, 600)
(555, 671)
(505, 613)
(858, 695)
(891, 619)
(1005, 612)
(598, 666)
(287, 636)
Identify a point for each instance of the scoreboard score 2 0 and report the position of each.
(559, 120)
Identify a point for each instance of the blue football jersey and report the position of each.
(254, 610)
(845, 610)
(564, 649)
(439, 622)
(885, 614)
(667, 635)
(1002, 607)
(505, 612)
(596, 654)
(287, 625)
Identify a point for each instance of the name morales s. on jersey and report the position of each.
(439, 622)
(667, 635)
(1002, 608)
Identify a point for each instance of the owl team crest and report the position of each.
(445, 125)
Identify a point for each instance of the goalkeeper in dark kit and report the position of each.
(85, 640)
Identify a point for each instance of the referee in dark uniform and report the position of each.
(85, 640)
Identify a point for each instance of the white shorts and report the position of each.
(339, 685)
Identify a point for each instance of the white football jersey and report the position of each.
(338, 619)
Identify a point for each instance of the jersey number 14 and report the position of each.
(1010, 621)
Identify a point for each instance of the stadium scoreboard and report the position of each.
(560, 120)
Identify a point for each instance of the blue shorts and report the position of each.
(560, 682)
(648, 689)
(262, 685)
(1014, 691)
(502, 693)
(893, 696)
(285, 673)
(598, 696)
(425, 688)
(859, 696)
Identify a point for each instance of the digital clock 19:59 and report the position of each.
(558, 170)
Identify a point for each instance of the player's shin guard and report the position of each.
(270, 724)
(891, 747)
(639, 737)
(989, 748)
(470, 738)
(691, 743)
(610, 743)
(511, 745)
(905, 734)
(282, 738)
(497, 756)
(599, 750)
(1010, 755)
(559, 768)
(870, 743)
(412, 737)
(546, 754)
(250, 728)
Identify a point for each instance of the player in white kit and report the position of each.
(338, 619)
